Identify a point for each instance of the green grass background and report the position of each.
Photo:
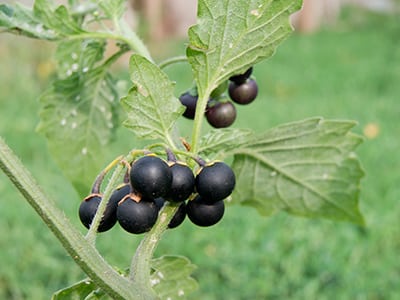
(351, 71)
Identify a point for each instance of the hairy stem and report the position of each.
(198, 119)
(83, 253)
(128, 37)
(140, 270)
(117, 175)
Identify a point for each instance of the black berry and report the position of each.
(119, 194)
(137, 217)
(182, 182)
(221, 115)
(190, 102)
(151, 177)
(203, 213)
(243, 93)
(240, 78)
(179, 216)
(88, 209)
(215, 182)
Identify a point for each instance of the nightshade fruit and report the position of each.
(215, 182)
(119, 194)
(190, 102)
(179, 216)
(243, 93)
(240, 78)
(137, 217)
(88, 209)
(221, 115)
(203, 213)
(151, 177)
(183, 181)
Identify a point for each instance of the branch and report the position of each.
(84, 254)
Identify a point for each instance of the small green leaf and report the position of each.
(151, 106)
(113, 9)
(232, 35)
(306, 168)
(223, 140)
(21, 20)
(58, 19)
(77, 291)
(171, 278)
(78, 114)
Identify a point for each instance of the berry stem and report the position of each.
(172, 60)
(83, 253)
(115, 178)
(199, 117)
(140, 270)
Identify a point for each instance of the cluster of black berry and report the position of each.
(221, 112)
(152, 182)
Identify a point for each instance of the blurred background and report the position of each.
(343, 62)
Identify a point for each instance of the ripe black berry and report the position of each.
(221, 115)
(215, 182)
(89, 206)
(190, 102)
(243, 93)
(137, 217)
(240, 78)
(179, 216)
(151, 176)
(182, 182)
(87, 211)
(203, 213)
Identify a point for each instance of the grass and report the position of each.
(349, 72)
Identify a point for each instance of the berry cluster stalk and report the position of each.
(83, 252)
(140, 269)
(199, 117)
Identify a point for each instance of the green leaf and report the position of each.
(77, 291)
(232, 35)
(151, 106)
(113, 9)
(21, 20)
(170, 277)
(223, 140)
(306, 168)
(97, 295)
(78, 114)
(58, 19)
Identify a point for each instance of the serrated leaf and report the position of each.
(58, 19)
(232, 35)
(170, 277)
(306, 168)
(77, 291)
(113, 9)
(78, 115)
(151, 106)
(21, 20)
(224, 139)
(43, 22)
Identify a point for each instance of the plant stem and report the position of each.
(83, 253)
(134, 41)
(141, 262)
(198, 119)
(117, 174)
(128, 37)
(172, 60)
